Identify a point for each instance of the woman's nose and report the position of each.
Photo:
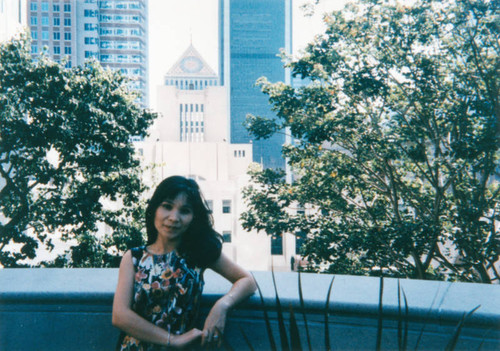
(173, 215)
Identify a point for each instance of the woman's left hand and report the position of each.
(214, 324)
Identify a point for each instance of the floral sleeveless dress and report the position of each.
(167, 292)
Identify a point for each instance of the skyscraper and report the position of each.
(112, 31)
(251, 33)
(12, 18)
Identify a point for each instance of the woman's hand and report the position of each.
(183, 340)
(215, 323)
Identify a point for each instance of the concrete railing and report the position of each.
(70, 309)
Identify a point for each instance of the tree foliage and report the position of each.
(67, 161)
(396, 140)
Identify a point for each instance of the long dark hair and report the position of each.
(201, 245)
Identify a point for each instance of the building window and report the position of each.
(67, 50)
(55, 8)
(57, 36)
(67, 7)
(45, 6)
(90, 40)
(91, 54)
(67, 36)
(33, 20)
(57, 50)
(276, 245)
(105, 5)
(68, 64)
(300, 238)
(67, 22)
(57, 21)
(210, 203)
(45, 21)
(34, 49)
(45, 35)
(301, 210)
(34, 35)
(89, 13)
(226, 236)
(226, 206)
(89, 27)
(33, 6)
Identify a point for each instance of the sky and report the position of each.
(174, 24)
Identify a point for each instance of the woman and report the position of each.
(159, 284)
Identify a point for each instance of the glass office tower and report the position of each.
(251, 34)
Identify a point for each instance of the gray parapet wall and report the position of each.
(70, 309)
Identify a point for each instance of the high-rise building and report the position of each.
(192, 104)
(189, 138)
(252, 33)
(113, 32)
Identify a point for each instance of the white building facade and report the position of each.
(190, 138)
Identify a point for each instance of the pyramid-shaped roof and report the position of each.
(191, 64)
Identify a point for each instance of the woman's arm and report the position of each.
(243, 286)
(133, 324)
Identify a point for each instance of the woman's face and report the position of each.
(173, 217)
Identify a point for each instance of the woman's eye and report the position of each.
(186, 211)
(167, 206)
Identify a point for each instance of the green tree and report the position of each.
(395, 142)
(67, 161)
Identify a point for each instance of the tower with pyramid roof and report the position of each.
(191, 138)
(191, 72)
(191, 103)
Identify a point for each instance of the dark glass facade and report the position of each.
(252, 32)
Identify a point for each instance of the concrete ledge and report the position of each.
(70, 309)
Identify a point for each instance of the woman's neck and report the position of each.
(159, 247)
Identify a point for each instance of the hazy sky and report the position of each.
(174, 23)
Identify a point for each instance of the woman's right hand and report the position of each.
(183, 340)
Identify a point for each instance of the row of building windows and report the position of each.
(121, 45)
(90, 27)
(136, 85)
(133, 5)
(90, 13)
(121, 18)
(191, 107)
(191, 84)
(226, 206)
(56, 50)
(192, 126)
(239, 153)
(277, 243)
(45, 21)
(121, 32)
(132, 71)
(91, 41)
(122, 58)
(45, 35)
(45, 7)
(190, 130)
(89, 54)
(192, 123)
